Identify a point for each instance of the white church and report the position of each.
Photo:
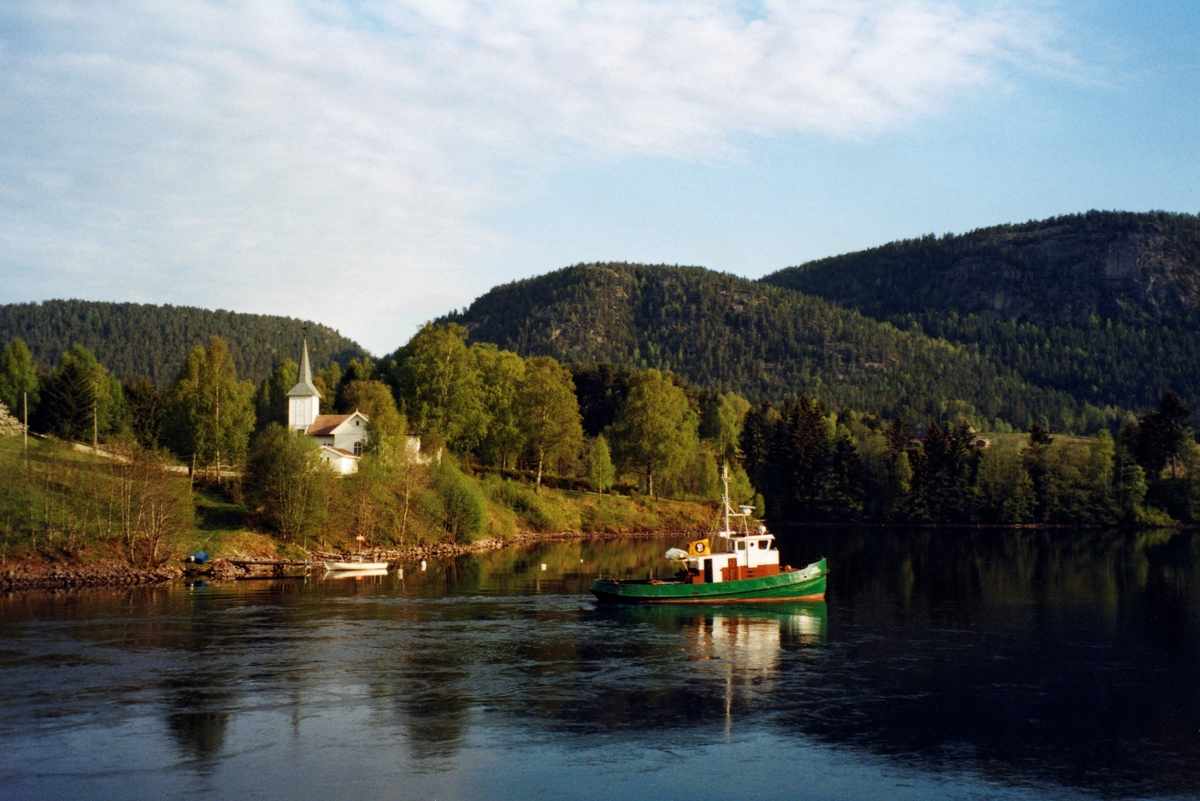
(342, 436)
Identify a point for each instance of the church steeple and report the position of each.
(304, 398)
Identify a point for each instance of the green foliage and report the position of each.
(375, 400)
(528, 505)
(1050, 300)
(463, 507)
(601, 471)
(288, 483)
(655, 429)
(56, 503)
(80, 398)
(868, 469)
(133, 339)
(722, 423)
(270, 400)
(359, 370)
(209, 413)
(727, 333)
(601, 389)
(502, 373)
(439, 387)
(18, 378)
(1039, 271)
(145, 411)
(548, 412)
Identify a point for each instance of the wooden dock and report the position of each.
(273, 566)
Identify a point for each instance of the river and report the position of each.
(944, 664)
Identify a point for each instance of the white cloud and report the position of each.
(326, 161)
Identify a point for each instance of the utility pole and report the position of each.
(95, 419)
(25, 399)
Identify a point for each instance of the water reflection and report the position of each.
(1049, 660)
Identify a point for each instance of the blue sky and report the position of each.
(371, 165)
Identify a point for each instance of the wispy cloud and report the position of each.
(327, 159)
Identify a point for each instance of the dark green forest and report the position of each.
(1103, 306)
(1134, 267)
(727, 333)
(140, 340)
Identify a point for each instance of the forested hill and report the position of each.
(132, 339)
(725, 332)
(1123, 266)
(1103, 305)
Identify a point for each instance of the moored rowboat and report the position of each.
(356, 565)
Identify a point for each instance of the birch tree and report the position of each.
(210, 413)
(548, 411)
(655, 429)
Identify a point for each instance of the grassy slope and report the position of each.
(57, 506)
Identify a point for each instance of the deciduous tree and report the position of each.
(270, 401)
(18, 378)
(502, 373)
(655, 429)
(601, 471)
(548, 411)
(287, 482)
(209, 412)
(440, 387)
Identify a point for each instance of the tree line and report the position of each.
(817, 466)
(144, 340)
(490, 412)
(487, 410)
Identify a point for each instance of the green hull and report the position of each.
(796, 585)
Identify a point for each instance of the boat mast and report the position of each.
(725, 480)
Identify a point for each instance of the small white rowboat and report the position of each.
(356, 565)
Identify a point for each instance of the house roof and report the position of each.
(339, 451)
(325, 425)
(304, 387)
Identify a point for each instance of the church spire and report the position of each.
(304, 387)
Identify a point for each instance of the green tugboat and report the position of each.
(730, 567)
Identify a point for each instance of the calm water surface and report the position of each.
(944, 664)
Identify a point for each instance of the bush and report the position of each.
(463, 505)
(528, 506)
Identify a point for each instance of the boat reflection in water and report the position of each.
(734, 650)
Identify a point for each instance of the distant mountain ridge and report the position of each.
(1104, 305)
(133, 339)
(1113, 265)
(724, 332)
(1077, 318)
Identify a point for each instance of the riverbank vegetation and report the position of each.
(815, 466)
(467, 441)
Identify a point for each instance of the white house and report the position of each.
(341, 436)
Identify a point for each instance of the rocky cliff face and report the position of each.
(1124, 266)
(1058, 273)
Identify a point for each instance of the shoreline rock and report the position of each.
(72, 576)
(68, 576)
